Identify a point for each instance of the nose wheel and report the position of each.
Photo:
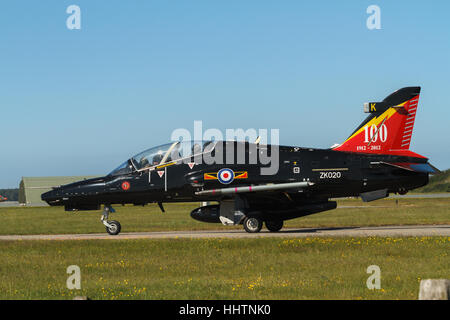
(113, 227)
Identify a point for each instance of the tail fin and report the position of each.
(388, 128)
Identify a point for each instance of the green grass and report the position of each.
(264, 268)
(260, 268)
(54, 220)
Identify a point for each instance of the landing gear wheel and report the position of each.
(274, 226)
(253, 224)
(114, 227)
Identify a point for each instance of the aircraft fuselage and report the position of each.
(333, 174)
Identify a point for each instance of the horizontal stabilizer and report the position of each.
(416, 167)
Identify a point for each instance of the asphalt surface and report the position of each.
(9, 204)
(423, 195)
(385, 231)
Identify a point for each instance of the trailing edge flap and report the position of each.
(416, 167)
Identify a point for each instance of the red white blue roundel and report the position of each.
(225, 176)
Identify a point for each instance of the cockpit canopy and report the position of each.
(163, 154)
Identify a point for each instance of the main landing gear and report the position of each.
(112, 227)
(252, 224)
(255, 224)
(274, 226)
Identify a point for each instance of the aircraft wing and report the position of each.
(257, 188)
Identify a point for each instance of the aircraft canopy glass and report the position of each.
(169, 152)
(124, 168)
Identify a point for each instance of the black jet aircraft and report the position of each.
(374, 161)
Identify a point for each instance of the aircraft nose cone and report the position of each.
(52, 197)
(48, 195)
(73, 192)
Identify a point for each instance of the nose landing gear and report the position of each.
(112, 227)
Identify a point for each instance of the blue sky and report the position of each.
(79, 102)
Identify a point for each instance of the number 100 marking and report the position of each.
(372, 134)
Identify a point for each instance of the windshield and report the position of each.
(124, 168)
(170, 152)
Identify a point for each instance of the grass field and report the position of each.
(260, 268)
(54, 220)
(269, 268)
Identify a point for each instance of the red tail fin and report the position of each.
(388, 128)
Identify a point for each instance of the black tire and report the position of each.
(115, 227)
(253, 224)
(274, 226)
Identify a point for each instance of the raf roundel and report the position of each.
(225, 176)
(125, 185)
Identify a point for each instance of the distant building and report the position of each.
(31, 188)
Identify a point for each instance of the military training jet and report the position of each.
(374, 161)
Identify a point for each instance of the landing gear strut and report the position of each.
(112, 227)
